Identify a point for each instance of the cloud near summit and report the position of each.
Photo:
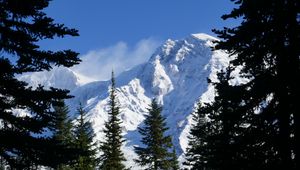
(98, 64)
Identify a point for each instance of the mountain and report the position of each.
(176, 75)
(59, 77)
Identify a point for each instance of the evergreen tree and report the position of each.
(174, 160)
(62, 126)
(22, 25)
(266, 45)
(215, 138)
(84, 142)
(156, 153)
(112, 156)
(195, 155)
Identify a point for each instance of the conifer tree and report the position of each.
(215, 137)
(84, 142)
(195, 155)
(112, 157)
(22, 25)
(266, 46)
(62, 127)
(174, 160)
(156, 153)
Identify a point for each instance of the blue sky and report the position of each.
(133, 26)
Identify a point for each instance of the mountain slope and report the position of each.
(176, 75)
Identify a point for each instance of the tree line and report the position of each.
(250, 125)
(77, 149)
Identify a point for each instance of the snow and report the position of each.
(82, 80)
(176, 75)
(205, 37)
(59, 77)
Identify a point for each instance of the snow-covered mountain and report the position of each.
(59, 77)
(176, 75)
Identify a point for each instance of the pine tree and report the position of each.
(22, 25)
(174, 160)
(266, 45)
(62, 127)
(84, 142)
(112, 156)
(156, 152)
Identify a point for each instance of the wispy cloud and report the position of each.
(98, 64)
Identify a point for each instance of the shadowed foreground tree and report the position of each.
(22, 25)
(223, 138)
(270, 55)
(112, 157)
(157, 152)
(266, 47)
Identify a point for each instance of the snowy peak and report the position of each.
(184, 59)
(176, 75)
(177, 50)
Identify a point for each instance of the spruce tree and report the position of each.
(63, 135)
(62, 125)
(195, 155)
(22, 25)
(266, 46)
(112, 157)
(84, 142)
(174, 160)
(216, 135)
(155, 154)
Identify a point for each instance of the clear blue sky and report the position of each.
(102, 23)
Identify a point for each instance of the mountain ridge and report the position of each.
(176, 75)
